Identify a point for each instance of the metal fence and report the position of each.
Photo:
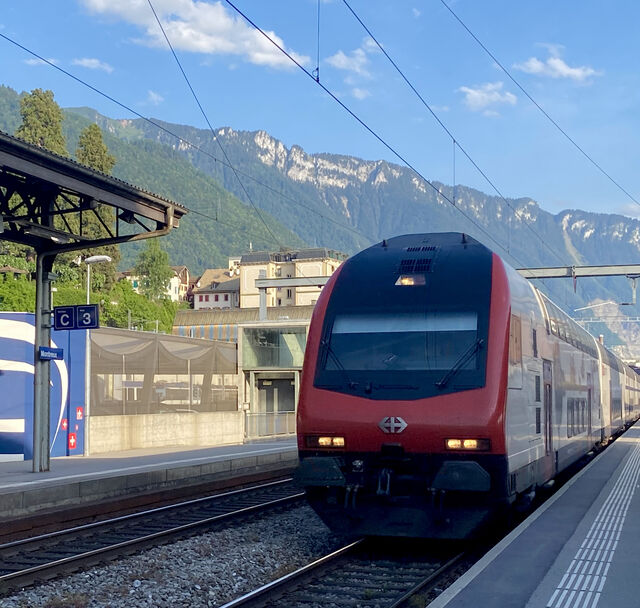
(270, 424)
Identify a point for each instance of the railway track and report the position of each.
(361, 575)
(32, 560)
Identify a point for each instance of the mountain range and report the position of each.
(255, 191)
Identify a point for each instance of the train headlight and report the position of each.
(411, 279)
(324, 441)
(479, 445)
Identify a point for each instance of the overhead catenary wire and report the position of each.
(180, 139)
(456, 142)
(537, 105)
(206, 118)
(368, 128)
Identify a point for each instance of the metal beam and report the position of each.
(624, 270)
(292, 282)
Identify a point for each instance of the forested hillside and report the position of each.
(335, 201)
(201, 241)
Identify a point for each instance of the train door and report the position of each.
(549, 465)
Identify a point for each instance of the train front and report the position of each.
(401, 411)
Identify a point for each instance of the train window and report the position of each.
(538, 421)
(412, 341)
(515, 341)
(570, 418)
(534, 343)
(538, 388)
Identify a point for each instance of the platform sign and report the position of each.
(87, 317)
(84, 316)
(64, 317)
(46, 353)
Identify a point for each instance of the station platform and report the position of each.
(74, 481)
(579, 550)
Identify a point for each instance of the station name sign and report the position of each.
(46, 353)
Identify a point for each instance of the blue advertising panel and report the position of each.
(17, 336)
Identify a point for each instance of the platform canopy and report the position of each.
(44, 199)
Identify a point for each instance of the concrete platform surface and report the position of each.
(579, 550)
(75, 480)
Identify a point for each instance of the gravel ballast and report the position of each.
(203, 571)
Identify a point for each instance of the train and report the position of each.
(441, 389)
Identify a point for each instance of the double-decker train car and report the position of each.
(440, 387)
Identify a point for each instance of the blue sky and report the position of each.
(577, 58)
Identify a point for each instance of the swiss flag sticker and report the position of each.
(79, 413)
(64, 424)
(72, 441)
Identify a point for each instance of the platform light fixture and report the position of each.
(127, 216)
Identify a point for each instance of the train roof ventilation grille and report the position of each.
(424, 248)
(415, 265)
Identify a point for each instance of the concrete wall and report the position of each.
(117, 433)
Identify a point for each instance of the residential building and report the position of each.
(217, 288)
(313, 262)
(177, 289)
(182, 274)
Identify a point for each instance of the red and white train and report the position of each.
(439, 386)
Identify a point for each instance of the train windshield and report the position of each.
(431, 341)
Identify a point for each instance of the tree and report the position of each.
(93, 152)
(153, 270)
(42, 121)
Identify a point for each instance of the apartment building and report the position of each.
(312, 262)
(217, 288)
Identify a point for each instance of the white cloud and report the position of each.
(356, 66)
(198, 27)
(356, 62)
(555, 67)
(93, 64)
(416, 12)
(35, 61)
(359, 93)
(482, 97)
(369, 45)
(630, 210)
(153, 98)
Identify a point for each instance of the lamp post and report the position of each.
(94, 259)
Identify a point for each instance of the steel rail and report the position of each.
(274, 591)
(48, 568)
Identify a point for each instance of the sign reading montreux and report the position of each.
(17, 336)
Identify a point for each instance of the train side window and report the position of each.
(537, 388)
(534, 341)
(515, 341)
(569, 417)
(538, 421)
